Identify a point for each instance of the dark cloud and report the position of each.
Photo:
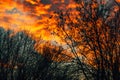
(46, 1)
(14, 11)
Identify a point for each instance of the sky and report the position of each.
(32, 16)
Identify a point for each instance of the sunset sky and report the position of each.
(31, 15)
(36, 17)
(39, 20)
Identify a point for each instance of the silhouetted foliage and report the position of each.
(20, 61)
(18, 58)
(93, 33)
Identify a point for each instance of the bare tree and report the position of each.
(92, 30)
(18, 58)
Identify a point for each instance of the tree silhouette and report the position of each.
(18, 58)
(92, 31)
